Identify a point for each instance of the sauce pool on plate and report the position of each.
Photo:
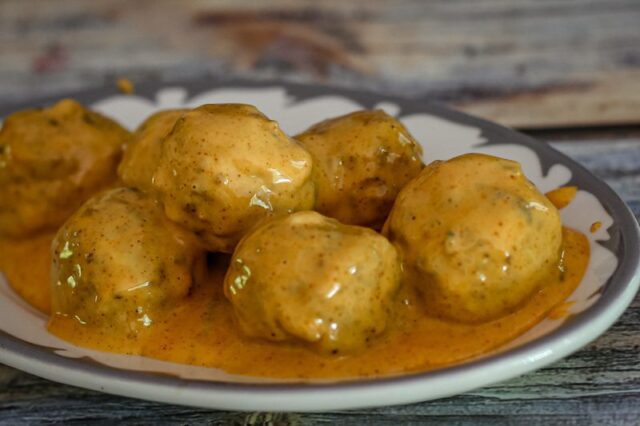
(202, 330)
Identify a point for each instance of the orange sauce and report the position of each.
(560, 311)
(125, 86)
(27, 263)
(561, 197)
(201, 331)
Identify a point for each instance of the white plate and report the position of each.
(608, 287)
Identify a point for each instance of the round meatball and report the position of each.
(142, 153)
(225, 167)
(361, 161)
(476, 238)
(117, 261)
(51, 161)
(309, 278)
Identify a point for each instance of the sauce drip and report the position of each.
(202, 331)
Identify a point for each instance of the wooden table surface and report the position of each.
(564, 71)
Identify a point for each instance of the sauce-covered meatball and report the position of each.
(309, 278)
(51, 161)
(225, 167)
(476, 238)
(361, 161)
(117, 261)
(142, 153)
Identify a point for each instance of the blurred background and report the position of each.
(527, 63)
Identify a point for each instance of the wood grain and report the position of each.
(600, 384)
(525, 63)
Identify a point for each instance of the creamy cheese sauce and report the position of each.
(202, 331)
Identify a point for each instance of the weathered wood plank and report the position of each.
(600, 384)
(618, 164)
(525, 63)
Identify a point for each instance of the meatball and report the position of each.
(142, 153)
(309, 278)
(476, 238)
(225, 167)
(117, 262)
(361, 161)
(51, 161)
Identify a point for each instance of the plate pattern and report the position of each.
(442, 133)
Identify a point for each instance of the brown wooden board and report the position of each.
(524, 63)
